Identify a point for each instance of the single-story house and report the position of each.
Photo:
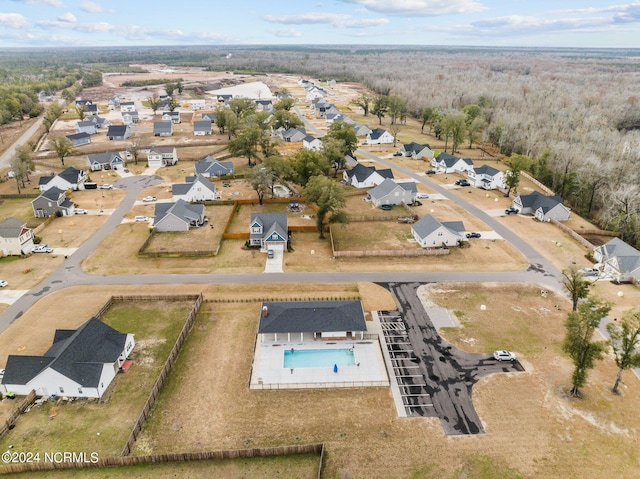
(202, 128)
(127, 106)
(269, 230)
(379, 136)
(446, 163)
(195, 188)
(311, 143)
(178, 216)
(110, 160)
(162, 156)
(210, 167)
(544, 208)
(15, 238)
(361, 130)
(264, 105)
(306, 320)
(51, 202)
(69, 179)
(79, 139)
(486, 177)
(390, 192)
(80, 363)
(130, 117)
(362, 176)
(293, 135)
(417, 151)
(162, 128)
(209, 116)
(172, 116)
(619, 261)
(86, 126)
(197, 104)
(334, 117)
(431, 233)
(119, 132)
(224, 98)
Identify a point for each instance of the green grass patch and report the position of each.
(485, 467)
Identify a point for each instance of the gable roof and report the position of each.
(202, 125)
(627, 257)
(414, 147)
(428, 224)
(71, 174)
(189, 181)
(181, 209)
(271, 223)
(104, 158)
(117, 130)
(486, 170)
(162, 150)
(79, 136)
(388, 185)
(162, 127)
(52, 194)
(537, 200)
(12, 228)
(77, 354)
(450, 160)
(213, 167)
(312, 316)
(377, 133)
(362, 172)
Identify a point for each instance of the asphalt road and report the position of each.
(5, 158)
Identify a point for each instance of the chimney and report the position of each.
(265, 311)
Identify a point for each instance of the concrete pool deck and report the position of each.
(268, 371)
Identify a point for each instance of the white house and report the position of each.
(80, 363)
(269, 230)
(162, 128)
(379, 136)
(446, 163)
(197, 104)
(486, 177)
(69, 179)
(194, 189)
(312, 143)
(105, 161)
(362, 176)
(431, 233)
(202, 128)
(127, 106)
(390, 192)
(162, 156)
(15, 238)
(172, 116)
(620, 261)
(544, 208)
(417, 151)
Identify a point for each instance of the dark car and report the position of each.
(430, 172)
(474, 235)
(397, 153)
(511, 211)
(386, 207)
(462, 183)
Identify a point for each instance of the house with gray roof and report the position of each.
(119, 132)
(209, 116)
(379, 136)
(87, 127)
(91, 109)
(312, 143)
(293, 135)
(15, 238)
(264, 105)
(202, 128)
(209, 167)
(130, 117)
(159, 156)
(306, 320)
(178, 216)
(417, 151)
(162, 128)
(127, 106)
(80, 363)
(446, 163)
(390, 192)
(620, 261)
(269, 231)
(52, 202)
(79, 139)
(194, 189)
(544, 208)
(362, 176)
(70, 178)
(486, 177)
(431, 233)
(110, 160)
(172, 116)
(99, 122)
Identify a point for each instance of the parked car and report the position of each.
(474, 235)
(430, 172)
(406, 219)
(511, 211)
(3, 283)
(397, 153)
(80, 211)
(106, 186)
(590, 271)
(462, 183)
(141, 218)
(271, 254)
(502, 355)
(42, 248)
(386, 207)
(148, 199)
(422, 196)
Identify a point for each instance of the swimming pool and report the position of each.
(318, 358)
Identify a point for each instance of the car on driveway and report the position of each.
(106, 186)
(80, 211)
(462, 183)
(271, 254)
(430, 172)
(589, 271)
(3, 283)
(511, 211)
(149, 199)
(42, 248)
(502, 355)
(474, 235)
(141, 218)
(422, 196)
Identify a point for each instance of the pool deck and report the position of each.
(269, 373)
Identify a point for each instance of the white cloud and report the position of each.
(286, 32)
(68, 18)
(53, 3)
(78, 27)
(308, 18)
(13, 20)
(92, 7)
(419, 8)
(371, 22)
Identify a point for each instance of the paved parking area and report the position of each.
(10, 296)
(274, 265)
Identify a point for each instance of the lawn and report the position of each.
(378, 235)
(103, 427)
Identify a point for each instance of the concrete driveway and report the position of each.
(274, 265)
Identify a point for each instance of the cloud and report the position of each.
(518, 25)
(140, 34)
(371, 22)
(419, 8)
(68, 18)
(13, 20)
(92, 7)
(334, 19)
(286, 32)
(631, 14)
(53, 3)
(77, 27)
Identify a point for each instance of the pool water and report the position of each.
(318, 358)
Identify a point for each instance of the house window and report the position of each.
(61, 390)
(439, 233)
(79, 390)
(256, 229)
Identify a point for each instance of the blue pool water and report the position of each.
(318, 358)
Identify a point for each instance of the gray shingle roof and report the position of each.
(388, 185)
(627, 256)
(213, 167)
(312, 316)
(486, 170)
(11, 228)
(271, 222)
(52, 194)
(104, 158)
(428, 224)
(377, 133)
(202, 125)
(117, 130)
(414, 147)
(183, 188)
(71, 174)
(183, 210)
(162, 127)
(362, 172)
(537, 200)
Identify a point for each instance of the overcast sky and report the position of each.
(544, 23)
